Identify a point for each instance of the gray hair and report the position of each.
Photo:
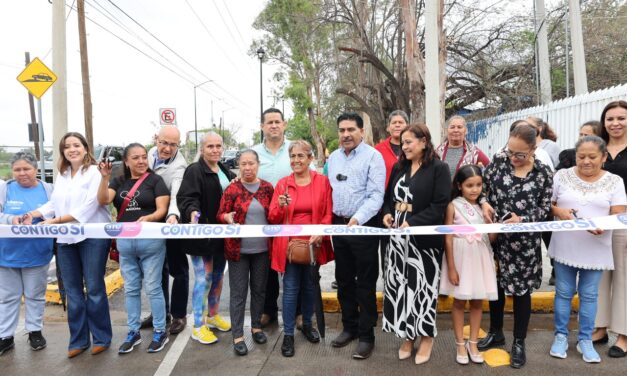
(250, 151)
(23, 156)
(205, 136)
(400, 113)
(301, 144)
(202, 141)
(598, 141)
(455, 117)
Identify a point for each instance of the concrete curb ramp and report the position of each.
(540, 301)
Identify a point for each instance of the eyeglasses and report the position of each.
(341, 177)
(517, 155)
(165, 144)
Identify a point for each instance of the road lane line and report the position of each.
(174, 353)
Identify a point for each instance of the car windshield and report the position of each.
(230, 153)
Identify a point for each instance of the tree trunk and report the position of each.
(314, 131)
(414, 62)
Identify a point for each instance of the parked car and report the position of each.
(114, 154)
(230, 158)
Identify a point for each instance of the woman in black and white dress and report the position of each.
(417, 195)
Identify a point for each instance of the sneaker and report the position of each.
(6, 344)
(132, 339)
(204, 335)
(36, 340)
(219, 323)
(159, 339)
(590, 355)
(560, 346)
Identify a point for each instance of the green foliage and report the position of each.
(333, 145)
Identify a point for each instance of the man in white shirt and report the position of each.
(166, 161)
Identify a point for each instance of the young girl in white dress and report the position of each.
(468, 271)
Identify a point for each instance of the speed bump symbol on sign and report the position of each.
(37, 78)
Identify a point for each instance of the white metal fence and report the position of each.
(564, 116)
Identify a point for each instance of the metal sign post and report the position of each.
(42, 156)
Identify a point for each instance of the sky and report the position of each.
(128, 88)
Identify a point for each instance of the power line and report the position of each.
(136, 49)
(233, 22)
(120, 24)
(159, 40)
(226, 56)
(179, 56)
(242, 48)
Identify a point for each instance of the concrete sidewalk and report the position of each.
(183, 356)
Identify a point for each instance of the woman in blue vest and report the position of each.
(23, 262)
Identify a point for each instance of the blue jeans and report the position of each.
(142, 260)
(82, 267)
(297, 281)
(587, 289)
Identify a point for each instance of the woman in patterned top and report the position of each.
(247, 201)
(519, 188)
(417, 195)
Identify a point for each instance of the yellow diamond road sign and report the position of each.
(37, 78)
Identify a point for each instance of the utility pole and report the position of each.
(579, 57)
(59, 89)
(433, 111)
(542, 56)
(567, 54)
(87, 108)
(33, 130)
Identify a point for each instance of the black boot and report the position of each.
(492, 339)
(519, 358)
(287, 348)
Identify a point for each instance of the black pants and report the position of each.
(175, 265)
(522, 313)
(356, 273)
(270, 306)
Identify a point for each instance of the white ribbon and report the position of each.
(151, 230)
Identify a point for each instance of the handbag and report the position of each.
(299, 251)
(114, 254)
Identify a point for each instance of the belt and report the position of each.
(403, 207)
(340, 220)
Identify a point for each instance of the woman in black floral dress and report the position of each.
(519, 189)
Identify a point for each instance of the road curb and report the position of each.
(541, 302)
(113, 283)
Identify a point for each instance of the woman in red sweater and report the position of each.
(246, 201)
(303, 197)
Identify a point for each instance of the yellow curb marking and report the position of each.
(496, 357)
(113, 283)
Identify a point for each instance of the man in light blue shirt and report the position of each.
(274, 157)
(357, 175)
(274, 164)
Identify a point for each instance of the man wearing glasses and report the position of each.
(166, 161)
(357, 175)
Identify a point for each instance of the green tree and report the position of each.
(301, 43)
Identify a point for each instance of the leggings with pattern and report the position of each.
(208, 276)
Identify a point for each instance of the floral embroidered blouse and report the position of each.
(519, 254)
(581, 249)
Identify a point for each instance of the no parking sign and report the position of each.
(167, 116)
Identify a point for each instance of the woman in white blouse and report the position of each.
(81, 261)
(583, 191)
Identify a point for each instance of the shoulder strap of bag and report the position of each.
(130, 194)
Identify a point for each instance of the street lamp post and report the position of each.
(260, 54)
(195, 115)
